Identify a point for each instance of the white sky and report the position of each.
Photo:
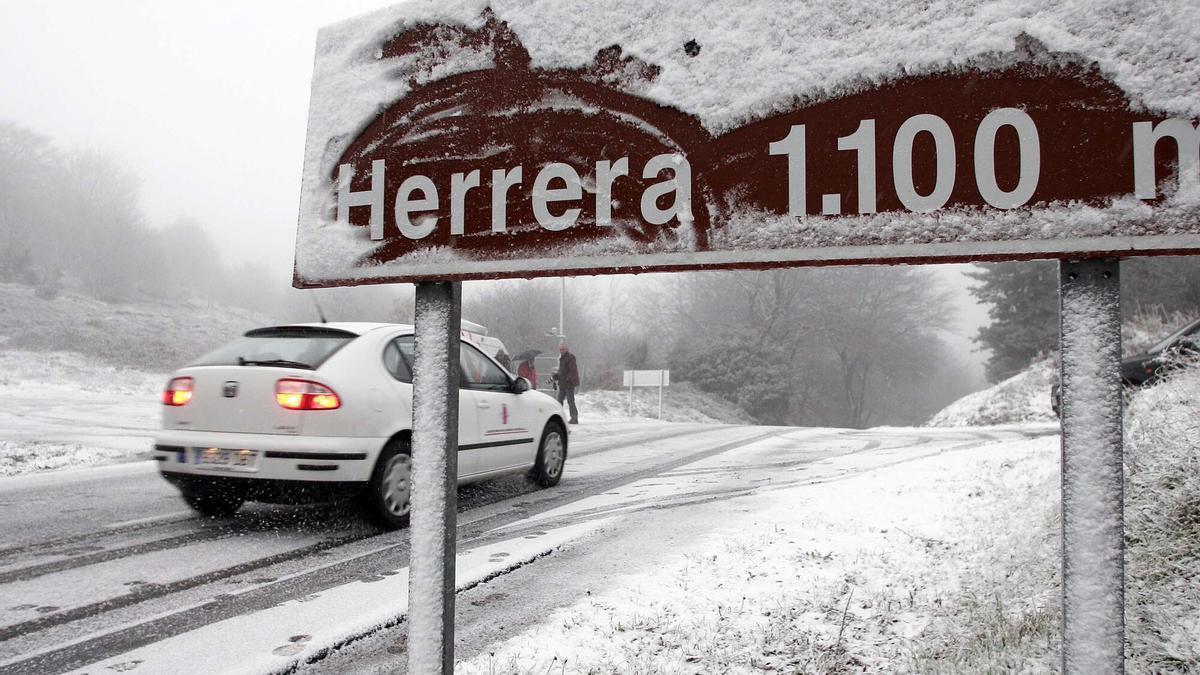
(206, 101)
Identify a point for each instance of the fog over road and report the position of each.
(106, 566)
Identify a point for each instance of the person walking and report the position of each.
(568, 380)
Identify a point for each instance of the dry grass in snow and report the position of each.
(1162, 526)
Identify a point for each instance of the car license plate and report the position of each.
(225, 459)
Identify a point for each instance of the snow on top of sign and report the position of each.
(767, 53)
(759, 59)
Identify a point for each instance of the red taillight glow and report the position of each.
(178, 391)
(305, 395)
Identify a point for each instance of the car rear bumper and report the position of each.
(304, 459)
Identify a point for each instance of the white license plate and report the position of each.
(225, 459)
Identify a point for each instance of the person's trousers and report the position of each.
(568, 393)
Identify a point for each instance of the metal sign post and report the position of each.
(661, 376)
(1092, 478)
(630, 397)
(434, 479)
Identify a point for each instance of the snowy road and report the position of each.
(104, 569)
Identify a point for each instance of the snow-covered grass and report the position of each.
(23, 371)
(681, 403)
(920, 567)
(1162, 514)
(22, 457)
(154, 336)
(1024, 397)
(1162, 504)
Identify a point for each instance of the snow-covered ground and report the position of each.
(681, 402)
(886, 569)
(929, 556)
(65, 410)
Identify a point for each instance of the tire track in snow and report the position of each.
(92, 558)
(151, 591)
(89, 538)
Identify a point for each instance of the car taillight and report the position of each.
(178, 391)
(305, 395)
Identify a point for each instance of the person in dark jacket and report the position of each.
(568, 380)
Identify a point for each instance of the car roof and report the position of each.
(356, 327)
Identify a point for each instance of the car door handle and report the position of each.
(484, 404)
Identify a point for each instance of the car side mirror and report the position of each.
(521, 385)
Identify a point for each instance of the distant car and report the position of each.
(1146, 367)
(310, 412)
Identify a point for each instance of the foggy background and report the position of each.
(150, 158)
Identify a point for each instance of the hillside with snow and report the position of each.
(153, 336)
(1024, 397)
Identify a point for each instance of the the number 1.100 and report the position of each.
(862, 143)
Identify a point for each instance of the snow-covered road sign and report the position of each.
(482, 146)
(647, 378)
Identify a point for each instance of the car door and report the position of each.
(504, 423)
(398, 360)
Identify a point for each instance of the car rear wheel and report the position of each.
(552, 455)
(387, 500)
(213, 503)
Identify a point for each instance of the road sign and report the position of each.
(459, 155)
(647, 378)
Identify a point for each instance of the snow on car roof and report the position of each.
(357, 327)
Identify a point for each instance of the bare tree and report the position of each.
(29, 216)
(106, 243)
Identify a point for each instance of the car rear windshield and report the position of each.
(285, 346)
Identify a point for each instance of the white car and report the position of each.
(307, 412)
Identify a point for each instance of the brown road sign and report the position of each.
(510, 169)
